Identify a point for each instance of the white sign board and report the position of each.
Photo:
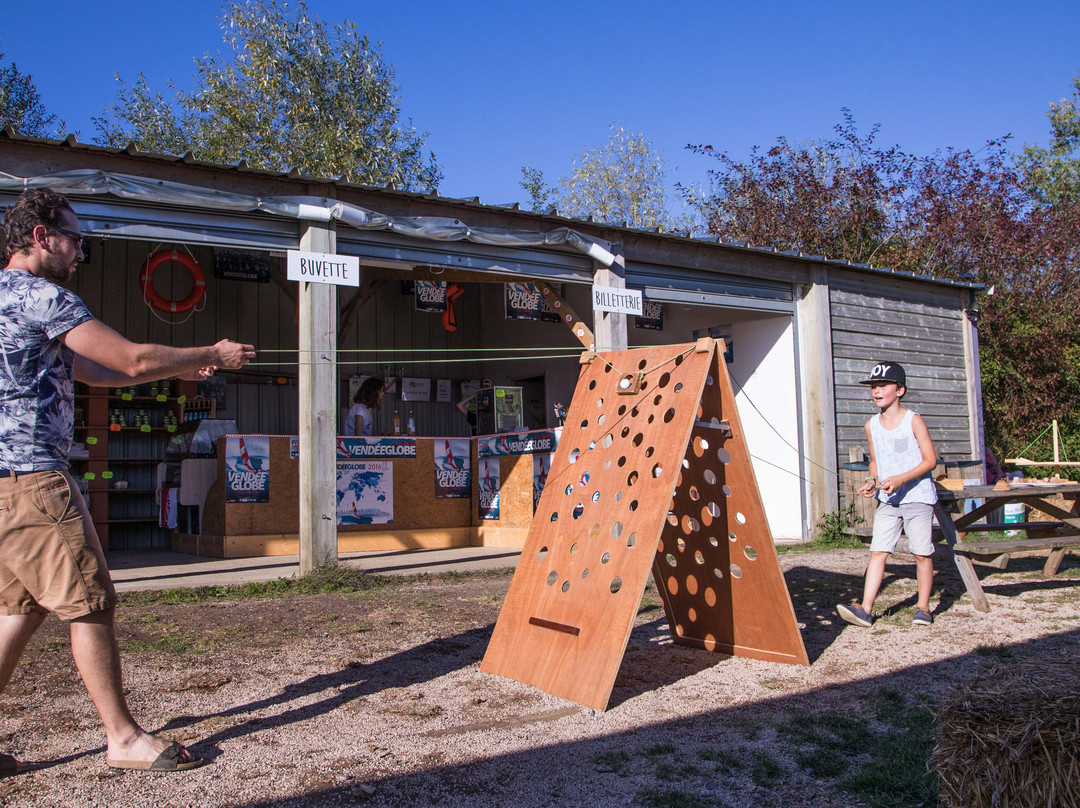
(340, 270)
(623, 301)
(415, 389)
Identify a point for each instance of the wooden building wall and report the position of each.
(922, 328)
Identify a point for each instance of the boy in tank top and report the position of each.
(902, 462)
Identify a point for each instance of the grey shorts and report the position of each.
(916, 519)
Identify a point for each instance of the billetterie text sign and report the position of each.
(341, 270)
(611, 298)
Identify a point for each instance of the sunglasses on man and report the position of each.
(77, 239)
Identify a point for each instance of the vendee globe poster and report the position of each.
(247, 469)
(453, 474)
(365, 492)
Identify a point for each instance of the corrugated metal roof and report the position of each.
(242, 167)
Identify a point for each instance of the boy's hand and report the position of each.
(869, 488)
(890, 484)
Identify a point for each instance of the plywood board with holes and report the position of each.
(617, 486)
(716, 565)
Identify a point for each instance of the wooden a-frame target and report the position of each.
(651, 472)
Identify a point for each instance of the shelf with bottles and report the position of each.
(198, 408)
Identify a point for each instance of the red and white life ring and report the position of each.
(198, 281)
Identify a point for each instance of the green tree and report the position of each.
(954, 214)
(1054, 172)
(21, 107)
(293, 93)
(622, 180)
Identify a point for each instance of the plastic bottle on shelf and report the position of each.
(410, 425)
(397, 423)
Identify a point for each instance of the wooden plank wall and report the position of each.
(921, 329)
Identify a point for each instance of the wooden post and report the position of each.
(609, 327)
(318, 409)
(814, 329)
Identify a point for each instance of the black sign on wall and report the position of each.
(236, 265)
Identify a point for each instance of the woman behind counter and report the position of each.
(361, 418)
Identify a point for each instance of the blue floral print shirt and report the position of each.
(37, 399)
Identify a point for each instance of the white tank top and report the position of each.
(896, 451)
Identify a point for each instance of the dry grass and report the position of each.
(1010, 737)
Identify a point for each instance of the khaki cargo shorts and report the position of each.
(50, 556)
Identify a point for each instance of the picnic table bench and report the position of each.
(1057, 536)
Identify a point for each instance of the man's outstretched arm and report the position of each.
(105, 358)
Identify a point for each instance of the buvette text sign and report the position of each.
(611, 298)
(341, 270)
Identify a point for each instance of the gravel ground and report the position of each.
(377, 698)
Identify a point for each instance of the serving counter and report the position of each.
(393, 494)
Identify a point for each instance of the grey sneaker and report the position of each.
(922, 618)
(856, 615)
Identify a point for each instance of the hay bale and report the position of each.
(1011, 738)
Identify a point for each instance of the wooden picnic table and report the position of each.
(1057, 535)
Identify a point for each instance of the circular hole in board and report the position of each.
(632, 478)
(578, 510)
(574, 455)
(714, 541)
(678, 387)
(649, 451)
(710, 478)
(669, 415)
(656, 401)
(727, 490)
(601, 419)
(638, 438)
(594, 532)
(607, 441)
(585, 424)
(585, 573)
(740, 518)
(657, 470)
(573, 548)
(621, 462)
(723, 455)
(616, 585)
(596, 496)
(565, 586)
(616, 530)
(736, 571)
(664, 379)
(633, 505)
(553, 576)
(681, 544)
(622, 409)
(694, 493)
(618, 496)
(731, 535)
(718, 573)
(605, 558)
(542, 554)
(642, 365)
(631, 540)
(569, 489)
(592, 384)
(750, 552)
(599, 402)
(555, 516)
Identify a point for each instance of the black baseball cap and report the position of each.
(887, 372)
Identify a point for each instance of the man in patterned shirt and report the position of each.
(50, 556)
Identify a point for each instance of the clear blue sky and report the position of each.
(502, 85)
